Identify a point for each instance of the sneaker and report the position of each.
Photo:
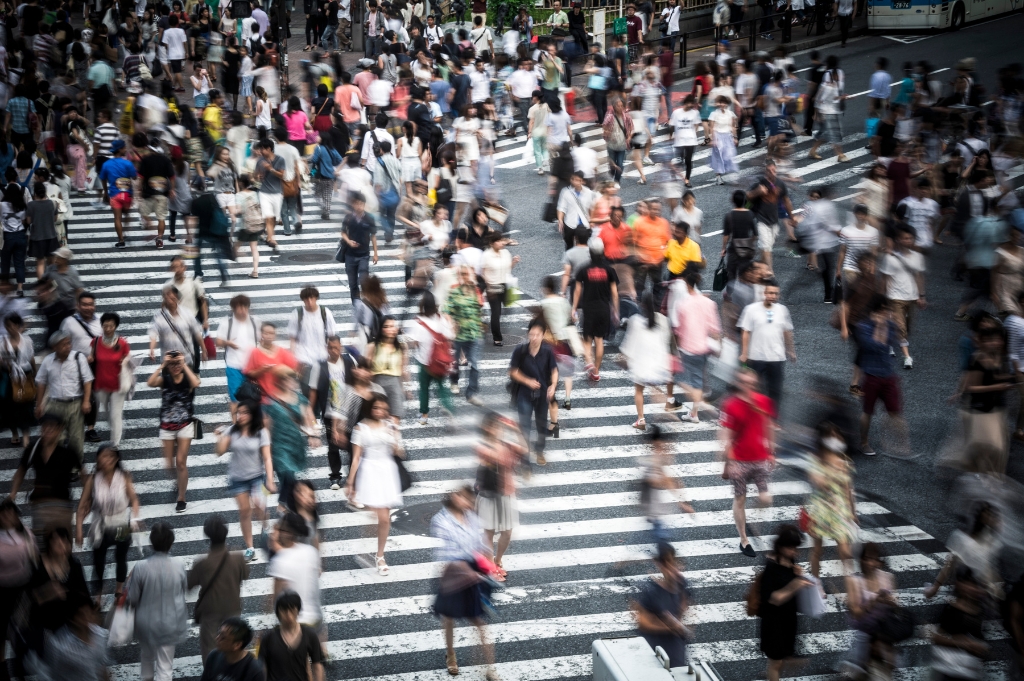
(475, 401)
(335, 485)
(249, 554)
(648, 161)
(92, 436)
(540, 171)
(689, 418)
(180, 507)
(423, 420)
(567, 405)
(97, 204)
(120, 244)
(674, 405)
(455, 389)
(868, 450)
(908, 363)
(541, 461)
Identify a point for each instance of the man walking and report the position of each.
(767, 340)
(64, 389)
(309, 327)
(237, 335)
(358, 234)
(84, 327)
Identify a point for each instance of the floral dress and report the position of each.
(829, 513)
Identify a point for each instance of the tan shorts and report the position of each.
(766, 235)
(186, 433)
(155, 206)
(902, 315)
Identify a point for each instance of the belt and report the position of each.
(70, 399)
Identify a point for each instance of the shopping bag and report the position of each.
(724, 366)
(528, 152)
(122, 622)
(810, 600)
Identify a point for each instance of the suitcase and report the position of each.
(627, 658)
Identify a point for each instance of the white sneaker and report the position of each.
(455, 389)
(908, 362)
(423, 420)
(648, 161)
(475, 401)
(335, 486)
(540, 171)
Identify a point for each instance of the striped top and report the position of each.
(104, 135)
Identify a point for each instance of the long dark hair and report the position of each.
(255, 418)
(381, 338)
(647, 308)
(14, 194)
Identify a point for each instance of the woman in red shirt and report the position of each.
(108, 355)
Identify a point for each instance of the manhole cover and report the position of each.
(306, 257)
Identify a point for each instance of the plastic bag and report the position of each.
(528, 151)
(809, 600)
(122, 624)
(724, 366)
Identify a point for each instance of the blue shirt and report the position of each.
(880, 82)
(118, 173)
(19, 108)
(874, 356)
(982, 236)
(440, 88)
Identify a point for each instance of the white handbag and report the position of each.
(122, 619)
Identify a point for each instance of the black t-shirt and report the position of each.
(766, 206)
(284, 663)
(53, 476)
(332, 13)
(460, 86)
(54, 613)
(887, 139)
(156, 172)
(323, 106)
(30, 18)
(954, 622)
(817, 74)
(597, 280)
(537, 367)
(419, 113)
(219, 669)
(739, 224)
(360, 230)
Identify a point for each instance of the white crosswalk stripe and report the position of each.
(583, 546)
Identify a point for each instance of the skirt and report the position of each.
(246, 89)
(498, 514)
(723, 155)
(215, 54)
(830, 130)
(395, 392)
(378, 484)
(412, 169)
(42, 248)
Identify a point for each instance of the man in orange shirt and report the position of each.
(616, 236)
(268, 361)
(651, 234)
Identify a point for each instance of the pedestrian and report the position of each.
(646, 351)
(534, 373)
(269, 172)
(829, 100)
(252, 227)
(461, 588)
(724, 139)
(575, 204)
(238, 336)
(767, 196)
(109, 494)
(156, 173)
(498, 452)
(250, 469)
(117, 174)
(684, 123)
(661, 606)
(292, 431)
(296, 567)
(464, 307)
(695, 321)
(748, 430)
(40, 220)
(496, 265)
(219, 576)
(231, 661)
(369, 310)
(597, 294)
(358, 235)
(156, 591)
(618, 133)
(976, 547)
(56, 587)
(289, 648)
(175, 331)
(431, 336)
(959, 647)
(390, 362)
(110, 356)
(985, 386)
(818, 234)
(64, 388)
(269, 361)
(309, 326)
(17, 560)
(777, 588)
(328, 382)
(903, 269)
(855, 308)
(876, 336)
(18, 366)
(373, 479)
(767, 340)
(870, 596)
(832, 507)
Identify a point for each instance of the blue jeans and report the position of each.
(289, 213)
(471, 348)
(15, 247)
(329, 39)
(618, 157)
(356, 267)
(222, 251)
(388, 204)
(528, 407)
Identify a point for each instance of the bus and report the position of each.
(934, 14)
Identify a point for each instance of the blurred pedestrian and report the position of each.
(832, 506)
(646, 351)
(292, 432)
(779, 583)
(431, 329)
(498, 453)
(219, 576)
(53, 465)
(296, 567)
(290, 647)
(661, 606)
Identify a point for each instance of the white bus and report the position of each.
(935, 14)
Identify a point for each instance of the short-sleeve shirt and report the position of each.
(634, 25)
(244, 333)
(246, 459)
(283, 663)
(217, 668)
(269, 182)
(175, 402)
(597, 283)
(175, 39)
(857, 241)
(360, 230)
(175, 332)
(678, 254)
(53, 476)
(766, 206)
(750, 423)
(259, 358)
(902, 269)
(537, 367)
(767, 327)
(118, 173)
(156, 171)
(685, 123)
(299, 566)
(41, 215)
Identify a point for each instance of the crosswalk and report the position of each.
(583, 546)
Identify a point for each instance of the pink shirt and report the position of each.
(696, 318)
(295, 122)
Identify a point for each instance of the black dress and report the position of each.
(232, 62)
(778, 622)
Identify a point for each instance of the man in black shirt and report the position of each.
(214, 229)
(231, 661)
(358, 234)
(157, 175)
(765, 196)
(54, 466)
(534, 376)
(814, 78)
(287, 649)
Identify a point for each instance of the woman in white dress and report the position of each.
(646, 349)
(467, 135)
(410, 152)
(373, 479)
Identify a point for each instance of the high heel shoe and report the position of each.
(451, 663)
(553, 431)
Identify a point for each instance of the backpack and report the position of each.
(441, 357)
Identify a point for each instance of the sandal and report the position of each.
(382, 567)
(451, 663)
(501, 571)
(254, 275)
(640, 424)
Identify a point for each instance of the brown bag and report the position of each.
(753, 598)
(290, 188)
(24, 390)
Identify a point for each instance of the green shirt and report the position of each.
(287, 441)
(465, 310)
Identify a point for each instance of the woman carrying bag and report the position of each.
(110, 356)
(17, 359)
(498, 456)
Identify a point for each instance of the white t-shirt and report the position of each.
(468, 256)
(175, 39)
(558, 128)
(746, 88)
(299, 565)
(335, 385)
(922, 214)
(190, 293)
(723, 121)
(379, 92)
(902, 269)
(310, 340)
(857, 240)
(584, 160)
(480, 84)
(244, 333)
(767, 327)
(522, 83)
(685, 125)
(291, 157)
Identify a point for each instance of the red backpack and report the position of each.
(442, 359)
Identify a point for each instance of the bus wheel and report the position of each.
(958, 18)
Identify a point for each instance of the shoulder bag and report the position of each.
(196, 611)
(290, 188)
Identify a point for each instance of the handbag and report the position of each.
(721, 277)
(404, 478)
(23, 390)
(198, 434)
(249, 391)
(206, 588)
(290, 188)
(211, 347)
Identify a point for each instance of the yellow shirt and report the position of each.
(678, 254)
(214, 125)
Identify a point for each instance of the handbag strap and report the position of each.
(177, 331)
(206, 587)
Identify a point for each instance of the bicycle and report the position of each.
(810, 21)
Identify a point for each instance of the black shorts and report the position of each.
(596, 323)
(176, 65)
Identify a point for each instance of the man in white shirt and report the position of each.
(559, 125)
(308, 328)
(584, 160)
(174, 40)
(368, 158)
(481, 36)
(747, 85)
(191, 294)
(296, 567)
(904, 285)
(433, 33)
(290, 218)
(327, 381)
(574, 205)
(684, 124)
(237, 335)
(479, 82)
(84, 325)
(64, 388)
(521, 83)
(344, 21)
(853, 240)
(767, 340)
(922, 214)
(466, 254)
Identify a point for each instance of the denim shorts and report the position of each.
(253, 487)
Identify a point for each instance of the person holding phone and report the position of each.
(177, 385)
